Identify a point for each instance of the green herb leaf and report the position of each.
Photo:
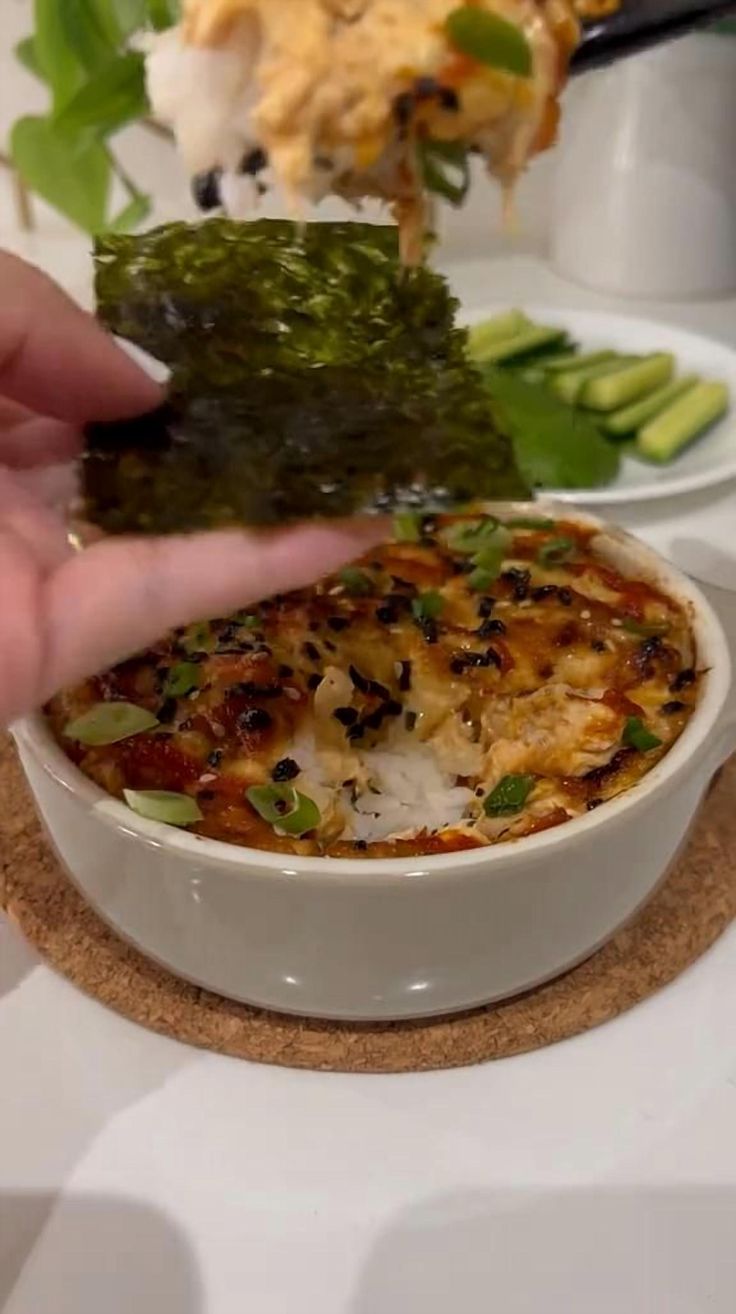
(113, 96)
(63, 69)
(128, 15)
(72, 176)
(356, 582)
(529, 522)
(445, 169)
(481, 579)
(89, 31)
(466, 536)
(182, 679)
(109, 723)
(427, 606)
(556, 551)
(163, 805)
(556, 446)
(137, 209)
(26, 52)
(509, 796)
(490, 39)
(490, 556)
(636, 735)
(407, 527)
(163, 13)
(198, 638)
(284, 808)
(646, 630)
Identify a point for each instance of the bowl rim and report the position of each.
(33, 735)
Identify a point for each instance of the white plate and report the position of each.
(708, 462)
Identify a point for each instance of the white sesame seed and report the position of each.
(292, 693)
(585, 615)
(207, 777)
(618, 623)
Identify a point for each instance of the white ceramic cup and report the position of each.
(645, 190)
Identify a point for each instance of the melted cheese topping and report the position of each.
(337, 96)
(400, 697)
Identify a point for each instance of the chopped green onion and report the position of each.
(491, 555)
(490, 39)
(355, 581)
(407, 526)
(509, 796)
(182, 679)
(646, 630)
(198, 638)
(247, 620)
(163, 805)
(480, 579)
(637, 736)
(529, 522)
(284, 808)
(109, 723)
(557, 551)
(427, 606)
(445, 169)
(466, 536)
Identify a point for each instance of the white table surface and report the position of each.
(596, 1177)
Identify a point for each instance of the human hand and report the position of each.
(65, 614)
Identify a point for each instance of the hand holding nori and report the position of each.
(312, 376)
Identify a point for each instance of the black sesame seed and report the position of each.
(593, 803)
(314, 681)
(286, 769)
(285, 672)
(167, 710)
(206, 189)
(565, 596)
(651, 647)
(393, 707)
(544, 591)
(519, 581)
(311, 651)
(387, 614)
(215, 757)
(361, 845)
(338, 623)
(254, 161)
(672, 708)
(494, 658)
(485, 607)
(410, 720)
(457, 665)
(490, 627)
(255, 718)
(405, 677)
(378, 690)
(598, 645)
(682, 680)
(345, 715)
(356, 732)
(429, 630)
(449, 99)
(359, 680)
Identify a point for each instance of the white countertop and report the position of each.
(595, 1177)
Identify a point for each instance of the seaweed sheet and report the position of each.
(311, 376)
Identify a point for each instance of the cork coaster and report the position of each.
(691, 909)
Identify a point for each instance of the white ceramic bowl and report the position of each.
(390, 938)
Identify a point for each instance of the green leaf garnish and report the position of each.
(529, 522)
(481, 579)
(284, 808)
(636, 735)
(113, 96)
(490, 39)
(427, 606)
(556, 551)
(407, 527)
(71, 174)
(356, 582)
(445, 169)
(509, 796)
(182, 679)
(645, 630)
(109, 723)
(163, 805)
(491, 555)
(198, 638)
(248, 620)
(466, 536)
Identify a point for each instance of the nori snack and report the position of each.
(311, 376)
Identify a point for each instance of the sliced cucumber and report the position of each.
(619, 424)
(522, 344)
(564, 362)
(569, 386)
(629, 384)
(684, 420)
(491, 331)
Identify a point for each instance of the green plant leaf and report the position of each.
(128, 14)
(73, 176)
(163, 13)
(445, 169)
(89, 32)
(490, 39)
(113, 96)
(62, 66)
(26, 52)
(131, 215)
